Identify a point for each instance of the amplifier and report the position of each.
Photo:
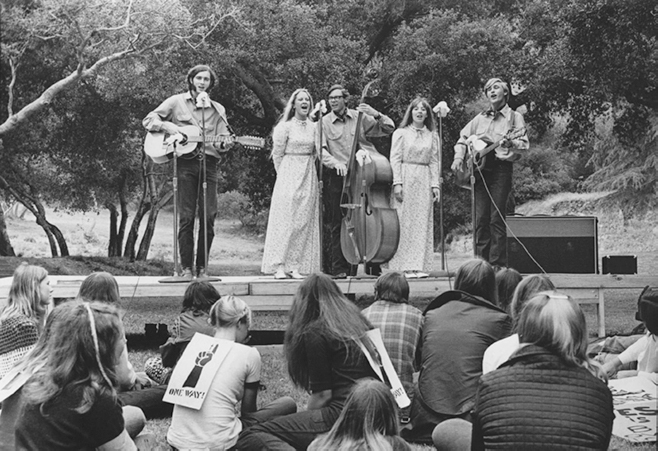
(619, 264)
(557, 244)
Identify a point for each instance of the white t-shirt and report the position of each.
(645, 352)
(217, 425)
(499, 353)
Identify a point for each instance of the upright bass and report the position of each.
(370, 231)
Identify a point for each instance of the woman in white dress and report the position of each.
(292, 242)
(415, 163)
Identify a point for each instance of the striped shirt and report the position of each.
(18, 335)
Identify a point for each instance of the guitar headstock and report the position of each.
(251, 142)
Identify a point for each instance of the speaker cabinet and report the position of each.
(554, 244)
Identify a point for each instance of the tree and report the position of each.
(73, 41)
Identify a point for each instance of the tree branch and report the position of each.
(66, 83)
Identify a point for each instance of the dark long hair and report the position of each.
(319, 304)
(199, 297)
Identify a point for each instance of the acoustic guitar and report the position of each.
(478, 154)
(156, 147)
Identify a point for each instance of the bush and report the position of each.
(235, 205)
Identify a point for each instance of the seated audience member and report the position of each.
(606, 350)
(134, 389)
(501, 350)
(216, 424)
(400, 325)
(645, 350)
(22, 319)
(507, 280)
(198, 299)
(70, 399)
(369, 421)
(323, 358)
(11, 387)
(459, 325)
(549, 395)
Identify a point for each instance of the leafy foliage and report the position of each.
(78, 77)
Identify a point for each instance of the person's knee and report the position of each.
(134, 420)
(453, 435)
(287, 405)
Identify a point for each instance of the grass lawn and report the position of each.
(620, 318)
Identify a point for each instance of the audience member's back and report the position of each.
(459, 325)
(549, 395)
(501, 350)
(399, 323)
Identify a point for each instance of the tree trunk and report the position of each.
(32, 203)
(5, 245)
(124, 221)
(114, 246)
(145, 244)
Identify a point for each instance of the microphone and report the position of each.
(202, 100)
(441, 109)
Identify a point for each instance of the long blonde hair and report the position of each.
(289, 110)
(25, 293)
(556, 322)
(368, 417)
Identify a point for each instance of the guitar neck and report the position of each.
(209, 138)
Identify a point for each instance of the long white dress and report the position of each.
(293, 228)
(415, 164)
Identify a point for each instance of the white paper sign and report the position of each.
(636, 410)
(195, 371)
(397, 389)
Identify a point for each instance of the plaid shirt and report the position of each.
(400, 325)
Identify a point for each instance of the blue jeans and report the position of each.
(190, 201)
(490, 229)
(290, 432)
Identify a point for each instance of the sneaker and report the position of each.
(296, 275)
(201, 273)
(187, 274)
(410, 275)
(422, 275)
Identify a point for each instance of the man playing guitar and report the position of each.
(194, 107)
(493, 182)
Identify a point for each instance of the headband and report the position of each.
(94, 337)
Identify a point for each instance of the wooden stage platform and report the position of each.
(265, 293)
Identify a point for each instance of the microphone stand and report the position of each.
(204, 186)
(472, 169)
(320, 187)
(177, 277)
(443, 241)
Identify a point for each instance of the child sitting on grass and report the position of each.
(198, 299)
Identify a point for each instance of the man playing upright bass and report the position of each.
(339, 128)
(503, 131)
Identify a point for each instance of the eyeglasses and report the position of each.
(335, 97)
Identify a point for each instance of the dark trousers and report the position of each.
(490, 203)
(149, 400)
(190, 201)
(335, 262)
(290, 432)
